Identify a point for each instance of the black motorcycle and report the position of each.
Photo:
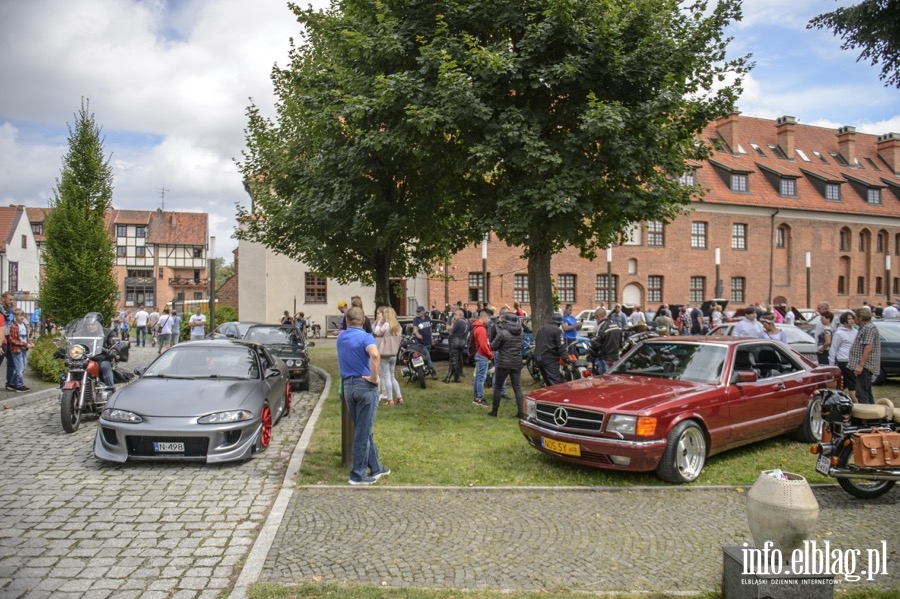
(81, 389)
(412, 360)
(860, 444)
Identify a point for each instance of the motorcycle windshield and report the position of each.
(89, 335)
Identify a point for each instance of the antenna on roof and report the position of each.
(162, 192)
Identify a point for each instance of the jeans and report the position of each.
(11, 370)
(515, 375)
(864, 387)
(601, 366)
(481, 368)
(18, 362)
(389, 385)
(141, 336)
(106, 373)
(426, 353)
(361, 398)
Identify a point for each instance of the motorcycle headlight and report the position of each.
(226, 417)
(75, 352)
(114, 415)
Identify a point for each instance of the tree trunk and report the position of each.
(382, 280)
(540, 288)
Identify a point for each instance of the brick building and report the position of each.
(782, 200)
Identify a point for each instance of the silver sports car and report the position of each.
(209, 401)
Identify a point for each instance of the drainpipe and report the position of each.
(772, 255)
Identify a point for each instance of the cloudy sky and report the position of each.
(169, 83)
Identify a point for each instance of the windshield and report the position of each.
(888, 331)
(272, 335)
(205, 362)
(699, 363)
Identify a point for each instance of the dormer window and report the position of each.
(873, 196)
(688, 177)
(739, 182)
(789, 187)
(833, 192)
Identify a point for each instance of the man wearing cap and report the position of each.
(422, 332)
(549, 349)
(342, 325)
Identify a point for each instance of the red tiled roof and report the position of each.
(184, 228)
(9, 220)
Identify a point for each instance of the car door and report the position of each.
(756, 407)
(274, 386)
(795, 382)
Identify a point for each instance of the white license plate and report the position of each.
(823, 464)
(420, 361)
(168, 447)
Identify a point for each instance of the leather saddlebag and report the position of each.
(876, 448)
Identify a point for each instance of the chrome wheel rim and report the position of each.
(691, 454)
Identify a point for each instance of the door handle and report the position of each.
(778, 387)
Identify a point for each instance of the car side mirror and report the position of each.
(744, 376)
(139, 371)
(272, 372)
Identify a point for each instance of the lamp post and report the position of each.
(484, 281)
(610, 290)
(887, 266)
(808, 275)
(212, 283)
(718, 278)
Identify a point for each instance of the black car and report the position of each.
(285, 341)
(889, 332)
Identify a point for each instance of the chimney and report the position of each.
(847, 143)
(888, 146)
(785, 126)
(727, 128)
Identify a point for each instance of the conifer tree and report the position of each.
(79, 254)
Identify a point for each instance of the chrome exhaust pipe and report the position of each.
(871, 474)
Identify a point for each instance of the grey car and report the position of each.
(799, 340)
(210, 401)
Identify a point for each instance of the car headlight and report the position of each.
(114, 415)
(289, 363)
(75, 352)
(225, 417)
(641, 426)
(530, 407)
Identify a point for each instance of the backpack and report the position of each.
(470, 343)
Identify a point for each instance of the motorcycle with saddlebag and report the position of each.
(411, 359)
(88, 349)
(860, 444)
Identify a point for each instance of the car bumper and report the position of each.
(118, 442)
(298, 376)
(612, 454)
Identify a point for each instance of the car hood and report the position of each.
(618, 391)
(183, 398)
(287, 350)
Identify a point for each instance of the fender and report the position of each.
(71, 384)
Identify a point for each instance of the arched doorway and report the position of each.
(632, 294)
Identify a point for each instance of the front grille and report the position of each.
(143, 446)
(566, 418)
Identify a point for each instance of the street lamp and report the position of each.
(808, 274)
(718, 279)
(212, 283)
(484, 281)
(887, 266)
(610, 290)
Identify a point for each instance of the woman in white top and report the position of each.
(387, 335)
(839, 352)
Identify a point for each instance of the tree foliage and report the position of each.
(346, 178)
(873, 26)
(79, 255)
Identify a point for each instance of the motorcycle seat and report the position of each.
(880, 410)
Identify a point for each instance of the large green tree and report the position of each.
(873, 26)
(581, 114)
(79, 255)
(351, 176)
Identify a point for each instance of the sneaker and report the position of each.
(23, 388)
(369, 480)
(492, 414)
(378, 475)
(11, 388)
(479, 401)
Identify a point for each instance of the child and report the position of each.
(19, 346)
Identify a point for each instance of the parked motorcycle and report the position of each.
(531, 364)
(577, 366)
(412, 360)
(81, 389)
(860, 444)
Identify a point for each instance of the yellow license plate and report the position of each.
(560, 447)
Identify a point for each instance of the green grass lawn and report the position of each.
(439, 438)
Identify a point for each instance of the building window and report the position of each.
(897, 244)
(632, 266)
(864, 241)
(739, 236)
(789, 187)
(878, 285)
(779, 237)
(738, 182)
(698, 235)
(845, 240)
(602, 293)
(698, 289)
(842, 285)
(160, 274)
(873, 196)
(121, 231)
(833, 192)
(687, 178)
(654, 288)
(881, 242)
(520, 289)
(140, 251)
(565, 288)
(198, 295)
(315, 289)
(24, 242)
(140, 231)
(738, 284)
(37, 228)
(120, 250)
(860, 285)
(655, 234)
(475, 286)
(198, 252)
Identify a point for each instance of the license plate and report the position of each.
(560, 447)
(823, 464)
(168, 447)
(420, 361)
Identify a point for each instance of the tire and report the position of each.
(685, 454)
(69, 414)
(860, 487)
(811, 429)
(265, 433)
(288, 399)
(420, 377)
(535, 372)
(881, 378)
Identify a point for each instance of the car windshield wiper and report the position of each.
(221, 376)
(163, 375)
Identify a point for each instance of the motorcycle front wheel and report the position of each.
(69, 413)
(861, 487)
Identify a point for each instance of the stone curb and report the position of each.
(21, 400)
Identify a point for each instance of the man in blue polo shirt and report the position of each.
(570, 324)
(358, 361)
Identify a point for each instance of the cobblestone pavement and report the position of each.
(72, 526)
